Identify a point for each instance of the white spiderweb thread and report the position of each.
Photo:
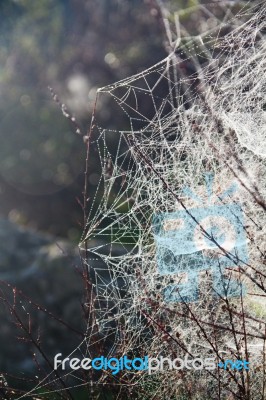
(179, 127)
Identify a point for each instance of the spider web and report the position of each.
(179, 126)
(201, 109)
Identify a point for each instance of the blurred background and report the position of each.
(74, 46)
